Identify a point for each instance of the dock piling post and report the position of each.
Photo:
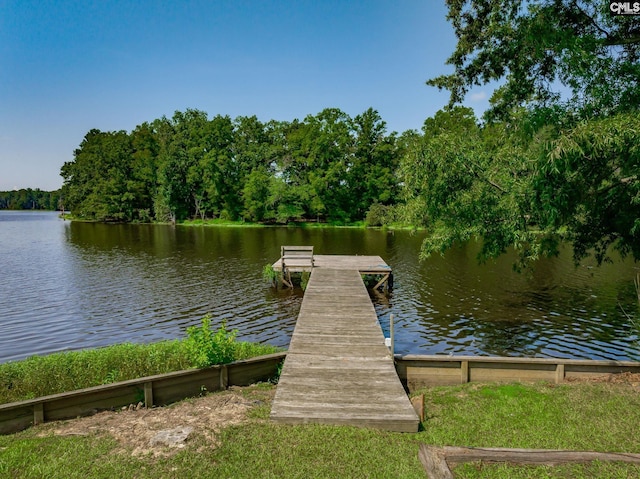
(391, 334)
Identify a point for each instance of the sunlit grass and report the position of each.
(592, 470)
(599, 417)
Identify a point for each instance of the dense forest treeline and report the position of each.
(28, 199)
(521, 180)
(326, 167)
(538, 169)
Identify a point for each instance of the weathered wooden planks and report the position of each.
(417, 371)
(338, 370)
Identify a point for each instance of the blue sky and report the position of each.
(69, 66)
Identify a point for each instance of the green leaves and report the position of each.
(590, 183)
(207, 348)
(97, 183)
(529, 183)
(468, 185)
(537, 48)
(564, 168)
(328, 167)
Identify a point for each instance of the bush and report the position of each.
(380, 215)
(207, 348)
(269, 274)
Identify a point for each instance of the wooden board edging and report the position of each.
(417, 371)
(151, 390)
(515, 360)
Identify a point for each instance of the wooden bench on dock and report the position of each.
(295, 259)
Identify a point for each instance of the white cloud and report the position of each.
(478, 97)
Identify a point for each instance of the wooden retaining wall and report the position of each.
(157, 390)
(416, 371)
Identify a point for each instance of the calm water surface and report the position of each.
(73, 285)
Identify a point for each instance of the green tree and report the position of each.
(96, 183)
(163, 206)
(221, 171)
(539, 47)
(372, 170)
(29, 199)
(464, 188)
(255, 193)
(173, 199)
(324, 151)
(589, 183)
(144, 178)
(291, 189)
(251, 145)
(196, 172)
(327, 167)
(543, 168)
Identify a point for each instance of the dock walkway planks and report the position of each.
(338, 370)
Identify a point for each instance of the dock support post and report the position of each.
(383, 282)
(392, 336)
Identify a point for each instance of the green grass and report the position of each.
(60, 372)
(565, 471)
(582, 417)
(292, 224)
(220, 222)
(543, 416)
(598, 417)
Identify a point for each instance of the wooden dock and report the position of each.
(362, 264)
(370, 265)
(338, 370)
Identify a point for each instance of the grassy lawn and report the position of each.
(587, 416)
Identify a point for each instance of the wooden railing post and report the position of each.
(392, 336)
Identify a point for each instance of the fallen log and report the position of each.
(456, 455)
(436, 460)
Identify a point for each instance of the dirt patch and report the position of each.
(632, 379)
(136, 429)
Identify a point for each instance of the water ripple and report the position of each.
(73, 286)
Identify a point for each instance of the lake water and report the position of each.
(68, 286)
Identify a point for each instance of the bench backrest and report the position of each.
(297, 253)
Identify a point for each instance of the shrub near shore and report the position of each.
(67, 371)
